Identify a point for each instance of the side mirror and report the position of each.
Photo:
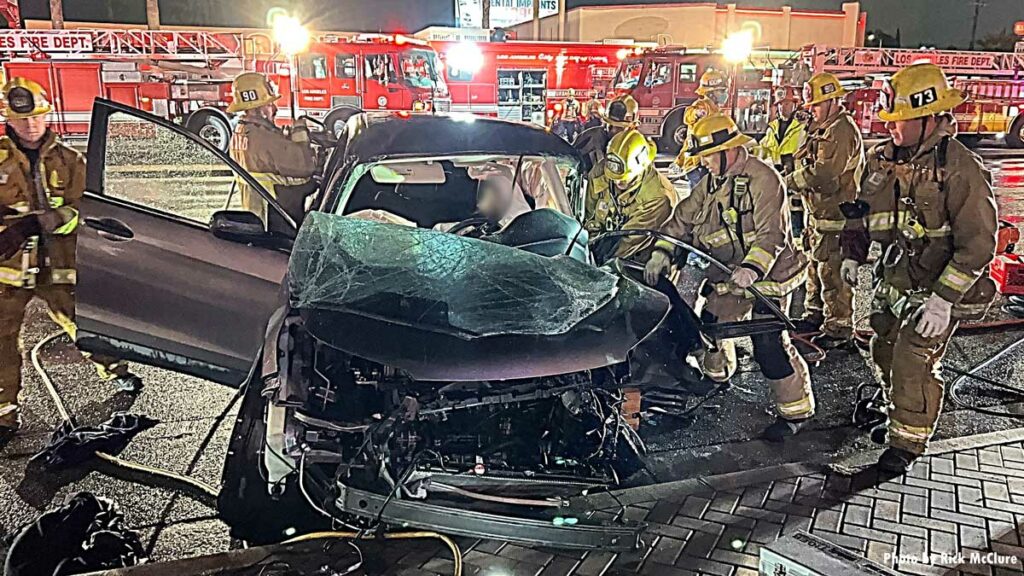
(238, 226)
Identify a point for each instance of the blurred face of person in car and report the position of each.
(496, 199)
(29, 130)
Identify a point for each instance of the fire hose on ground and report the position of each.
(207, 489)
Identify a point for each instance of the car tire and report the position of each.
(336, 119)
(667, 141)
(212, 126)
(245, 503)
(1015, 137)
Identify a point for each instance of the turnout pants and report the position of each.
(60, 300)
(775, 354)
(828, 296)
(911, 376)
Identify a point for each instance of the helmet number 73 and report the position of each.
(923, 98)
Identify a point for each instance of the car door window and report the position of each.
(151, 166)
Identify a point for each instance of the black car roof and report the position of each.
(377, 134)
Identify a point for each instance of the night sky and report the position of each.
(940, 23)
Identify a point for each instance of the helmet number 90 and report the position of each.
(248, 96)
(923, 98)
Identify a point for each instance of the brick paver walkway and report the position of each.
(970, 501)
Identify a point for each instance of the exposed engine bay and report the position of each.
(520, 448)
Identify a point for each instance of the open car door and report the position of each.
(156, 284)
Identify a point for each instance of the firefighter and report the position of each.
(828, 170)
(628, 193)
(284, 163)
(785, 133)
(41, 186)
(739, 214)
(571, 107)
(929, 202)
(714, 93)
(593, 142)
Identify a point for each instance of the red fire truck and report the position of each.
(664, 82)
(339, 76)
(527, 80)
(186, 75)
(994, 82)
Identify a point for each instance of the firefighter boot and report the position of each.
(897, 461)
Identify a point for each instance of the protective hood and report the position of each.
(444, 307)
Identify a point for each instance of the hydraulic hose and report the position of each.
(129, 465)
(456, 553)
(963, 376)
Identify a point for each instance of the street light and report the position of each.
(736, 49)
(293, 39)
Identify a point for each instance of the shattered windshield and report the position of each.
(442, 191)
(439, 281)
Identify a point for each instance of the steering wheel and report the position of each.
(462, 228)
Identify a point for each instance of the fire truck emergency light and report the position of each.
(290, 34)
(737, 46)
(465, 57)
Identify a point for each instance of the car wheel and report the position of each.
(245, 502)
(210, 126)
(667, 143)
(1015, 137)
(336, 119)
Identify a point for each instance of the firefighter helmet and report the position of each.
(917, 91)
(787, 94)
(621, 112)
(629, 155)
(715, 133)
(251, 90)
(24, 98)
(712, 80)
(699, 109)
(822, 87)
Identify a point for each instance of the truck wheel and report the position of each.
(1015, 137)
(335, 120)
(667, 143)
(211, 126)
(245, 503)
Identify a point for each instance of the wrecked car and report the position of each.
(406, 360)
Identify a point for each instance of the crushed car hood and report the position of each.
(444, 307)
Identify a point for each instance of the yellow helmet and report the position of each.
(24, 98)
(715, 133)
(629, 155)
(621, 112)
(822, 87)
(251, 90)
(712, 80)
(917, 91)
(699, 109)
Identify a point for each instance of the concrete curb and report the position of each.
(732, 480)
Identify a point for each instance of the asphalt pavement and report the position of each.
(718, 437)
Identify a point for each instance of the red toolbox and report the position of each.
(1008, 273)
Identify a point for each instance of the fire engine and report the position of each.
(527, 81)
(664, 82)
(338, 76)
(994, 82)
(185, 75)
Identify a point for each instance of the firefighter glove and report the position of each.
(656, 266)
(934, 316)
(848, 271)
(49, 221)
(743, 277)
(13, 238)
